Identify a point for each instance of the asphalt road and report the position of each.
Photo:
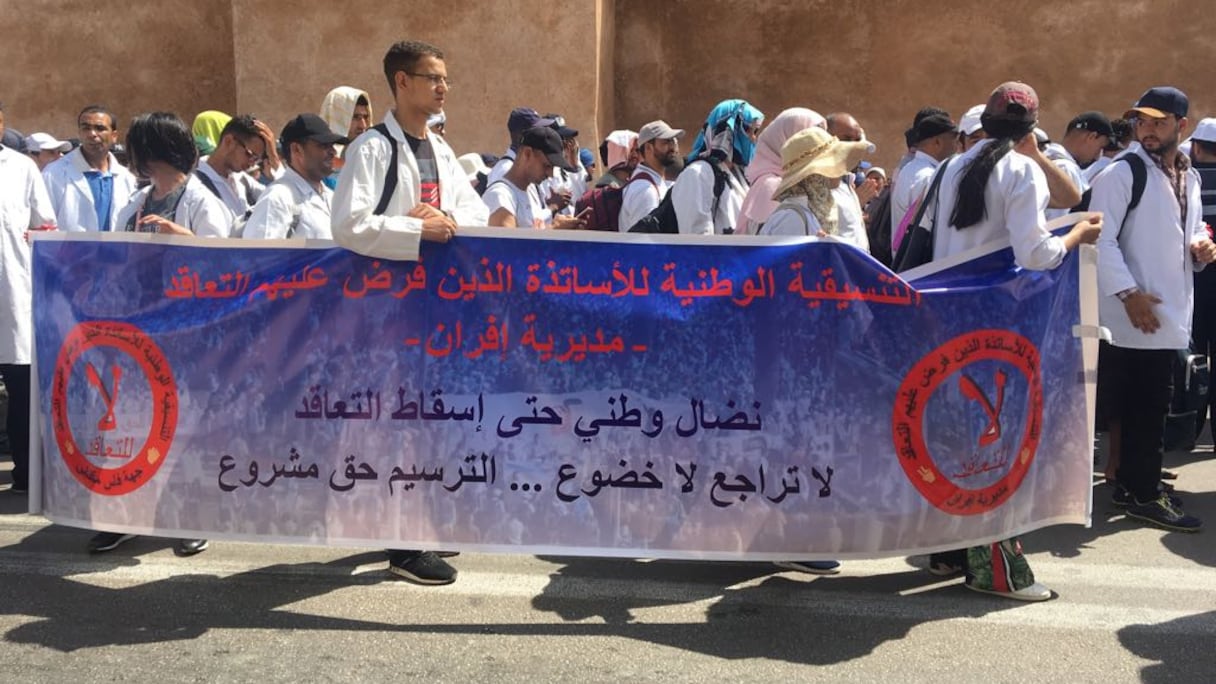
(1134, 604)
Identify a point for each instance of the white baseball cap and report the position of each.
(1205, 130)
(970, 123)
(45, 142)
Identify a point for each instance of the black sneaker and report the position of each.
(108, 541)
(1123, 498)
(421, 567)
(1163, 513)
(189, 547)
(811, 567)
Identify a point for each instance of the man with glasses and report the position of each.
(88, 187)
(1146, 256)
(245, 143)
(402, 184)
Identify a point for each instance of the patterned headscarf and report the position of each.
(725, 132)
(818, 192)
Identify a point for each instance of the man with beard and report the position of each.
(1146, 256)
(297, 205)
(658, 149)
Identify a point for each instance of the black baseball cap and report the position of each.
(310, 127)
(559, 125)
(546, 141)
(1157, 103)
(1094, 122)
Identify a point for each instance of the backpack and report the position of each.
(1139, 181)
(879, 229)
(605, 204)
(662, 219)
(916, 247)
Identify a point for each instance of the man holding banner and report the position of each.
(423, 198)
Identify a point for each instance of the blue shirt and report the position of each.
(102, 187)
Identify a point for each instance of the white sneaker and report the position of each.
(1035, 592)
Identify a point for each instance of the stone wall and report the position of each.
(603, 63)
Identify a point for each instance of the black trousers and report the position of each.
(1134, 388)
(17, 424)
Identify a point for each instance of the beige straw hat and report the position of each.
(814, 151)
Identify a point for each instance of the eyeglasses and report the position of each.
(253, 158)
(435, 79)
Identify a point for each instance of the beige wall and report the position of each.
(884, 60)
(603, 63)
(56, 56)
(500, 55)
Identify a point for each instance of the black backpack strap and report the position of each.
(719, 187)
(930, 198)
(1139, 182)
(209, 183)
(1139, 178)
(390, 176)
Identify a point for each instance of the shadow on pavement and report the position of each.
(775, 619)
(1182, 649)
(71, 614)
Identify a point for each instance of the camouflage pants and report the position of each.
(999, 567)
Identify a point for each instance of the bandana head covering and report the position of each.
(725, 132)
(206, 130)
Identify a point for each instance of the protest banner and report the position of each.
(677, 397)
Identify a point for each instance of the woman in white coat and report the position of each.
(175, 202)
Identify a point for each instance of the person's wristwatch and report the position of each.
(1124, 294)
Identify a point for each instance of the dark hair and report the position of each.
(99, 109)
(1207, 146)
(161, 137)
(403, 55)
(243, 127)
(362, 102)
(1123, 130)
(604, 153)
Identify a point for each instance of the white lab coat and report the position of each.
(395, 235)
(1153, 252)
(199, 210)
(291, 200)
(692, 197)
(640, 197)
(73, 198)
(24, 204)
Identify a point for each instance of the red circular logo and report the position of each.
(139, 464)
(951, 360)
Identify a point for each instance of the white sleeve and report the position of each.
(692, 198)
(1025, 203)
(54, 186)
(1196, 228)
(639, 199)
(42, 212)
(272, 215)
(1112, 192)
(359, 187)
(499, 196)
(207, 215)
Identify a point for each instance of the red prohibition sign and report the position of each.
(131, 341)
(919, 385)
